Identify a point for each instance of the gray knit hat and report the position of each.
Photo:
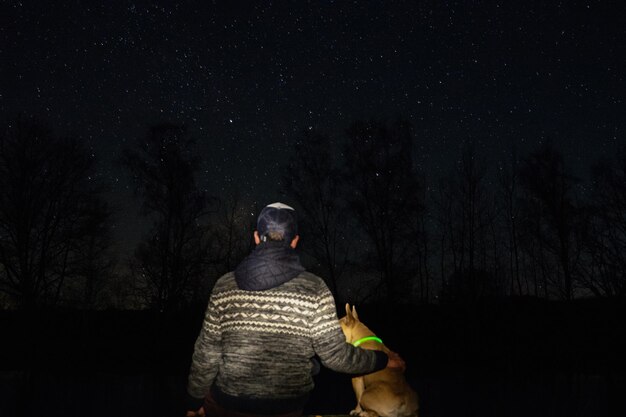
(279, 218)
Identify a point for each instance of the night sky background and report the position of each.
(247, 79)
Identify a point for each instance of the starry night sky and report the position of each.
(248, 78)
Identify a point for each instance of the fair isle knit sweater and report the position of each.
(256, 345)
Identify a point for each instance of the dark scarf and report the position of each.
(268, 266)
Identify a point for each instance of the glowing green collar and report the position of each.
(366, 339)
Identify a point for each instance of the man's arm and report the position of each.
(206, 358)
(330, 345)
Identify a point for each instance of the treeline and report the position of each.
(373, 225)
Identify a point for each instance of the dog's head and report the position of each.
(352, 327)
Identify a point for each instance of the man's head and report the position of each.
(277, 222)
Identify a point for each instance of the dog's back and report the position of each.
(388, 394)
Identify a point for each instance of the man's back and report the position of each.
(267, 336)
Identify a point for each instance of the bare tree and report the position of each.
(313, 180)
(444, 204)
(231, 237)
(169, 261)
(384, 195)
(553, 217)
(468, 213)
(423, 250)
(95, 268)
(604, 273)
(508, 180)
(50, 202)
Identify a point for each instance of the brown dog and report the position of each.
(384, 393)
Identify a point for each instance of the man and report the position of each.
(264, 324)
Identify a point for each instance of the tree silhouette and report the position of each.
(49, 205)
(231, 237)
(95, 268)
(468, 221)
(169, 261)
(313, 181)
(606, 241)
(508, 180)
(422, 245)
(552, 217)
(384, 195)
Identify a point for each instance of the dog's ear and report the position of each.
(349, 319)
(355, 315)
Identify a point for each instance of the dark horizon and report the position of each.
(524, 227)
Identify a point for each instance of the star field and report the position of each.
(246, 79)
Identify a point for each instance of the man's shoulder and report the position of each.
(309, 277)
(225, 283)
(308, 281)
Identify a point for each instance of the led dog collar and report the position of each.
(367, 339)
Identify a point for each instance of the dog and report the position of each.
(381, 394)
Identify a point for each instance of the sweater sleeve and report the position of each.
(330, 344)
(207, 354)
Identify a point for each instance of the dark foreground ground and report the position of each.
(519, 357)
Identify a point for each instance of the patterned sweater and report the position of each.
(255, 348)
